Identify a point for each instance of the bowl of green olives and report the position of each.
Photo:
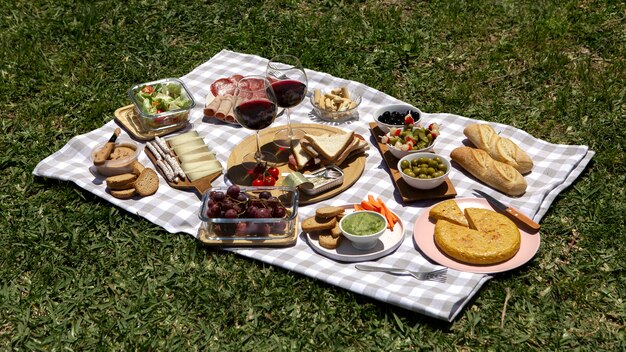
(424, 170)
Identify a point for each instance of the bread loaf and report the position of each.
(501, 149)
(503, 177)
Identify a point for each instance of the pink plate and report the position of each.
(424, 236)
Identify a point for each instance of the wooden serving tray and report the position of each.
(352, 167)
(408, 193)
(199, 185)
(203, 236)
(127, 118)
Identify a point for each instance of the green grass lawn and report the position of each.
(77, 273)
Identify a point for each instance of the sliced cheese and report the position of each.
(191, 149)
(187, 142)
(194, 175)
(182, 137)
(191, 157)
(200, 165)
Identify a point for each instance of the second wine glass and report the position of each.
(255, 109)
(289, 82)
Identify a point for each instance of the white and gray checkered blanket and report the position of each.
(556, 167)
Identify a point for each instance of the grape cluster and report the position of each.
(235, 204)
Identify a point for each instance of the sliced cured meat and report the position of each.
(223, 86)
(236, 78)
(252, 84)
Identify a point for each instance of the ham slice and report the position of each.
(225, 108)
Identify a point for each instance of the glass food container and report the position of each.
(281, 224)
(162, 104)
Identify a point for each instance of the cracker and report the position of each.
(316, 223)
(328, 211)
(328, 241)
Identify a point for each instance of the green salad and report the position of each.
(161, 98)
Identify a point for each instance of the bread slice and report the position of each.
(120, 182)
(147, 183)
(124, 193)
(330, 146)
(450, 211)
(301, 157)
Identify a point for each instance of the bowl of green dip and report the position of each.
(363, 228)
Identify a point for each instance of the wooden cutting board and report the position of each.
(408, 193)
(128, 119)
(352, 167)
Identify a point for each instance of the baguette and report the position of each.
(503, 177)
(501, 149)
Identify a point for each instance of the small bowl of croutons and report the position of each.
(335, 105)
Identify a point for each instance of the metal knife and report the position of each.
(516, 214)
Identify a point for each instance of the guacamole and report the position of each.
(363, 224)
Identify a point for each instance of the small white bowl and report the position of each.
(398, 153)
(402, 108)
(367, 241)
(424, 183)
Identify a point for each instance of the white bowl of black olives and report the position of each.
(424, 170)
(394, 115)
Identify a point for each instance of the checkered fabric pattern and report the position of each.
(556, 167)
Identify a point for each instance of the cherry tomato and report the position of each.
(147, 89)
(274, 172)
(258, 182)
(269, 181)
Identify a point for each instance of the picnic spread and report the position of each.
(377, 172)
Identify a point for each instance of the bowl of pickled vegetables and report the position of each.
(424, 170)
(411, 139)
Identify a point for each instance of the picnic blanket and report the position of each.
(556, 167)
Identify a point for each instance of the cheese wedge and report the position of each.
(191, 157)
(182, 137)
(197, 141)
(200, 165)
(191, 149)
(195, 175)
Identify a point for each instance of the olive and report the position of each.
(438, 174)
(405, 164)
(409, 172)
(432, 163)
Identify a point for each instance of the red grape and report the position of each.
(233, 191)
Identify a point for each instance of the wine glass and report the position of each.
(289, 83)
(255, 109)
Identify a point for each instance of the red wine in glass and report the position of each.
(255, 109)
(289, 92)
(256, 114)
(289, 82)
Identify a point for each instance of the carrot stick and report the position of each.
(391, 218)
(373, 202)
(390, 212)
(367, 206)
(357, 207)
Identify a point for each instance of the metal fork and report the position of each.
(439, 275)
